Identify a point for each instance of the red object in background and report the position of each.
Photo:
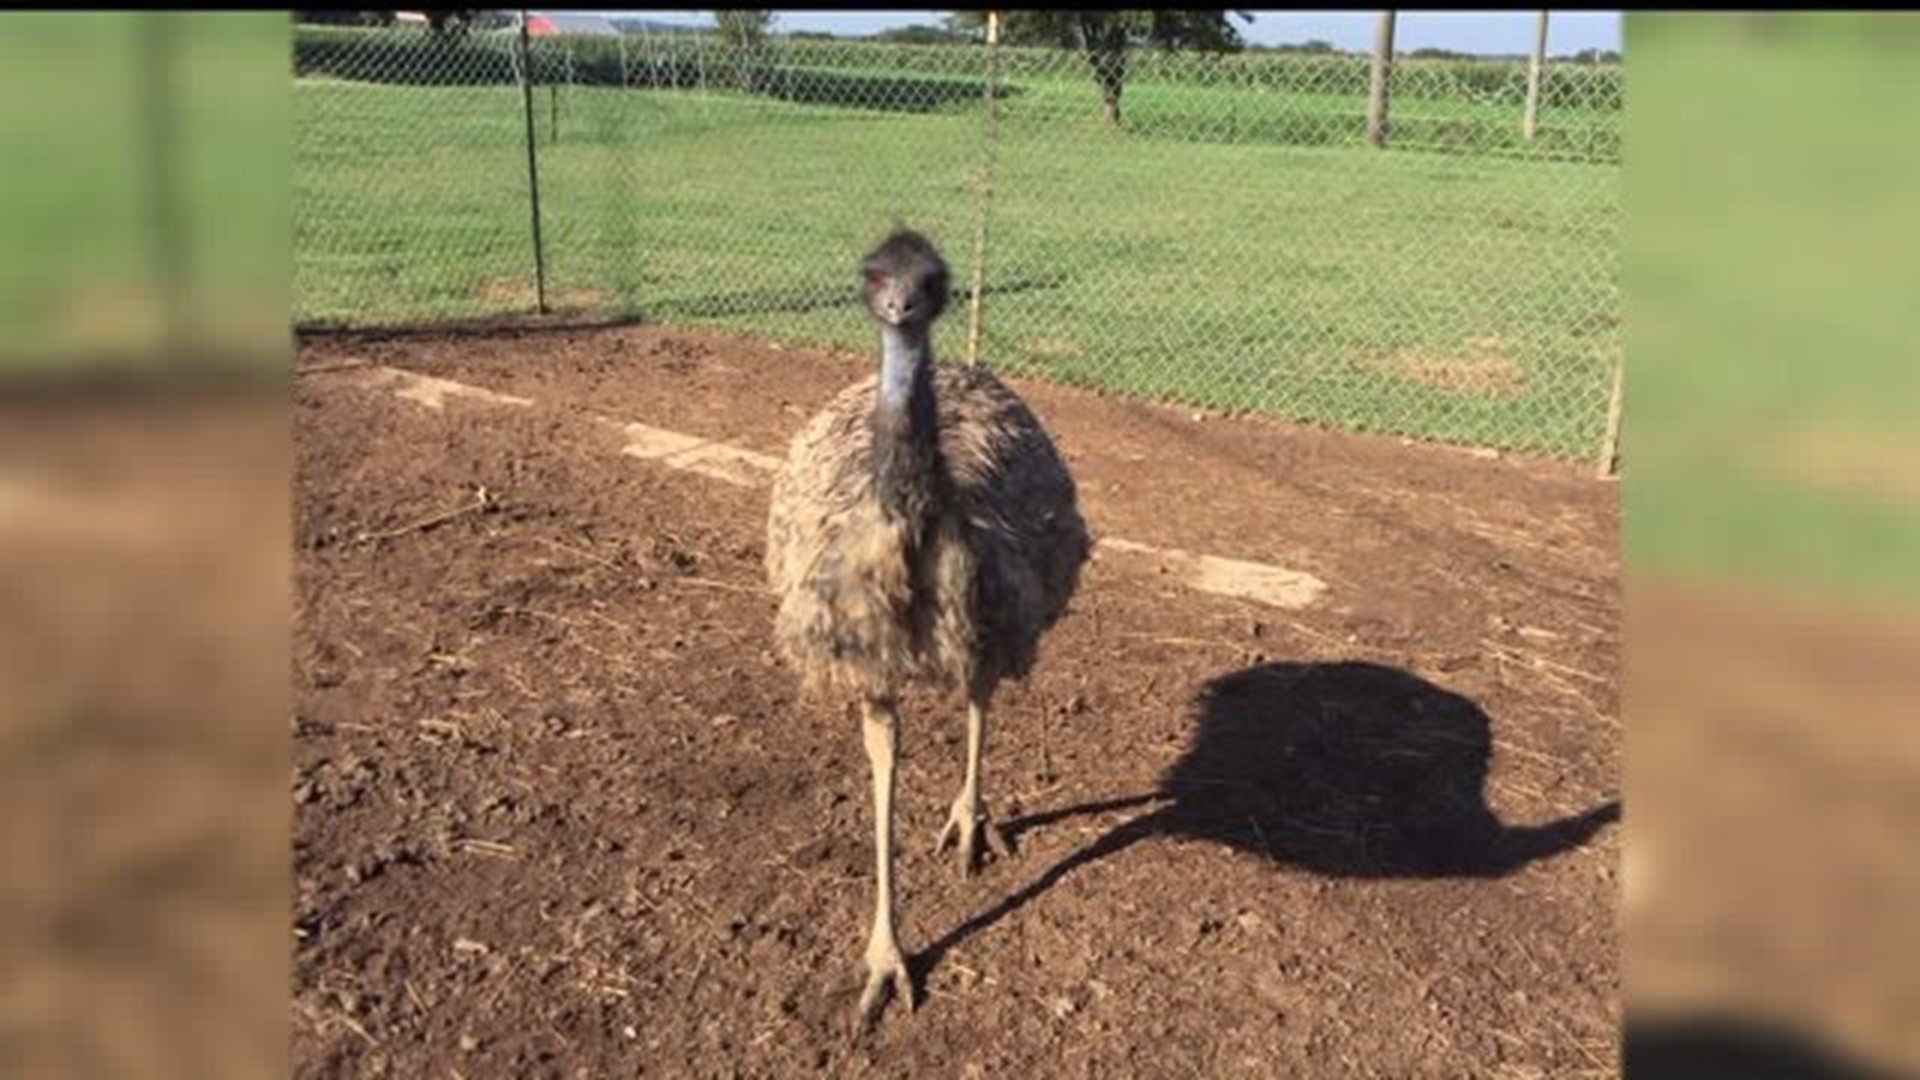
(539, 26)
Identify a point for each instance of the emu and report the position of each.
(923, 530)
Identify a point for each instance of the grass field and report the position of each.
(1772, 275)
(150, 194)
(1458, 296)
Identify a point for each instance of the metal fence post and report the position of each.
(984, 196)
(533, 166)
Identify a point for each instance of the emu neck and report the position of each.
(905, 435)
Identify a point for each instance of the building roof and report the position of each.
(570, 22)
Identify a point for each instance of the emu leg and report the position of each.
(886, 966)
(969, 824)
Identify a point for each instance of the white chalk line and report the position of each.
(1263, 583)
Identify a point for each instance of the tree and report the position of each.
(743, 29)
(918, 34)
(1594, 56)
(1107, 36)
(452, 22)
(966, 26)
(743, 33)
(344, 18)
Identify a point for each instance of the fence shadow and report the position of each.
(881, 92)
(1347, 770)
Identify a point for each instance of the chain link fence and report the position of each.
(1222, 233)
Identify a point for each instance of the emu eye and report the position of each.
(875, 279)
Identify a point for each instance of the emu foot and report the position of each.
(886, 972)
(974, 832)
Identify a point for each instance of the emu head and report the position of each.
(904, 281)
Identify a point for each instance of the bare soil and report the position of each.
(144, 564)
(559, 812)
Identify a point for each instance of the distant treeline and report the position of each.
(921, 34)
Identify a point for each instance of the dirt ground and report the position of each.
(558, 811)
(144, 569)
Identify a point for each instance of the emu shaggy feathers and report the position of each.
(923, 529)
(952, 586)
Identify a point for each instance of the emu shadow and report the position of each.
(1352, 770)
(1716, 1044)
(1347, 770)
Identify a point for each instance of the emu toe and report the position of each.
(886, 976)
(974, 833)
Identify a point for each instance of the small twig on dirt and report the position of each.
(447, 729)
(488, 847)
(707, 583)
(337, 1017)
(1325, 638)
(615, 623)
(500, 986)
(1577, 1044)
(1194, 642)
(571, 550)
(1528, 790)
(1508, 746)
(512, 675)
(1538, 661)
(337, 365)
(1507, 1037)
(1032, 795)
(414, 996)
(482, 500)
(1545, 669)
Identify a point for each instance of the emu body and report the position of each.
(923, 530)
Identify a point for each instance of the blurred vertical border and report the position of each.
(1771, 511)
(144, 544)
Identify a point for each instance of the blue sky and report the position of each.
(1465, 31)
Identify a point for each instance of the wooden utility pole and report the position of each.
(1609, 463)
(1534, 69)
(1382, 74)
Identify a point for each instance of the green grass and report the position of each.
(1328, 283)
(1771, 415)
(84, 277)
